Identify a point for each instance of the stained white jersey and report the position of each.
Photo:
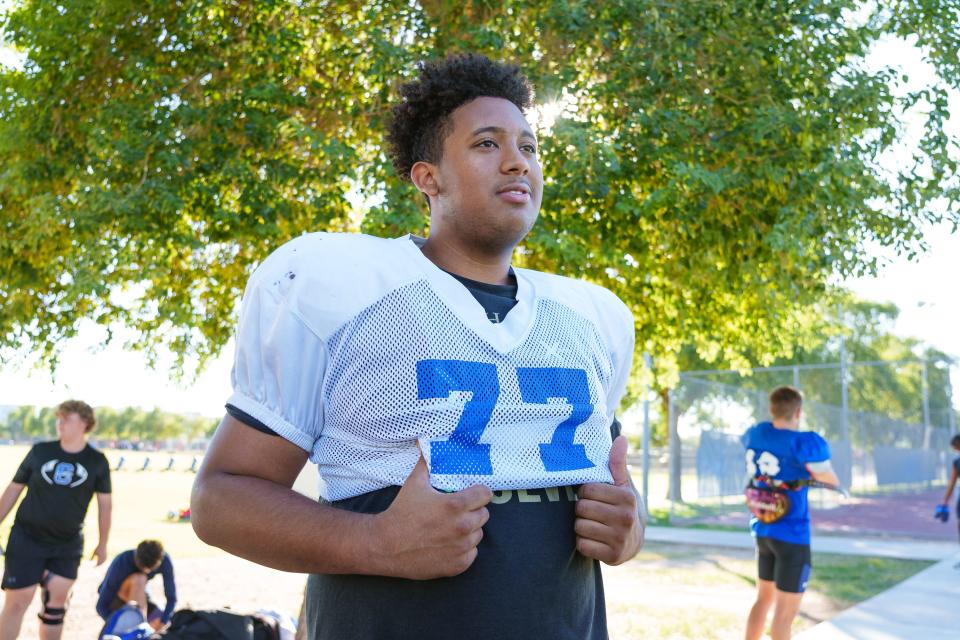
(364, 353)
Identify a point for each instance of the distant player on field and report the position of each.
(126, 581)
(46, 540)
(460, 409)
(780, 460)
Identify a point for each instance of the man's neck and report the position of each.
(468, 264)
(786, 424)
(73, 446)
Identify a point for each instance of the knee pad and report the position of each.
(50, 615)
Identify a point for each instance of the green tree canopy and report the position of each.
(129, 423)
(716, 164)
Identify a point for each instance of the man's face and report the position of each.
(148, 568)
(70, 425)
(489, 183)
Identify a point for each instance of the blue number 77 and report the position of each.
(462, 452)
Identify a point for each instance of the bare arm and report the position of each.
(104, 520)
(823, 472)
(9, 498)
(242, 502)
(946, 496)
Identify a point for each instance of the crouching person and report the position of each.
(127, 578)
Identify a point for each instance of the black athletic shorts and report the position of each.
(785, 563)
(26, 559)
(958, 515)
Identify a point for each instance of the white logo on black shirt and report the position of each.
(65, 474)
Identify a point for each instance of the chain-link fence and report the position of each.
(872, 451)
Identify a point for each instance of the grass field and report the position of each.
(674, 591)
(141, 501)
(668, 591)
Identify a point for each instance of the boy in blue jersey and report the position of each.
(127, 578)
(779, 455)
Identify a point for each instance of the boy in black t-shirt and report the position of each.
(46, 541)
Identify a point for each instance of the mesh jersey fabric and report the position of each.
(783, 454)
(364, 353)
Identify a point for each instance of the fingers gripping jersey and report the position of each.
(364, 353)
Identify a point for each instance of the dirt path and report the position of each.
(667, 592)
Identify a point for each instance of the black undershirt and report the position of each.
(496, 299)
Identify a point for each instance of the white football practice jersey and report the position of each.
(364, 353)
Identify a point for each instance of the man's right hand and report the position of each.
(427, 534)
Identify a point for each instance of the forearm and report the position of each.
(9, 498)
(169, 589)
(168, 609)
(104, 521)
(829, 478)
(273, 525)
(950, 486)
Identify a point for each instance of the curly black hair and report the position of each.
(420, 121)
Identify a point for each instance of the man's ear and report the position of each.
(424, 177)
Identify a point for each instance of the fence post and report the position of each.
(676, 463)
(951, 416)
(648, 363)
(926, 407)
(844, 392)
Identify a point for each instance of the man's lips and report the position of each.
(518, 193)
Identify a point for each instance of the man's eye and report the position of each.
(529, 148)
(490, 144)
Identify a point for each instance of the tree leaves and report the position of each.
(717, 166)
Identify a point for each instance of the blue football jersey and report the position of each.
(782, 454)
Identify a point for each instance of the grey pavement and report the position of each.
(845, 545)
(925, 606)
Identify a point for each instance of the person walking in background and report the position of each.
(127, 578)
(46, 541)
(943, 510)
(781, 460)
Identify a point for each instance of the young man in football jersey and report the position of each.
(46, 541)
(460, 410)
(781, 456)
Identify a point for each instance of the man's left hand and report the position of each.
(608, 525)
(99, 554)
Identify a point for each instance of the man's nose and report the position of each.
(515, 161)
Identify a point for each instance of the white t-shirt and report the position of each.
(364, 353)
